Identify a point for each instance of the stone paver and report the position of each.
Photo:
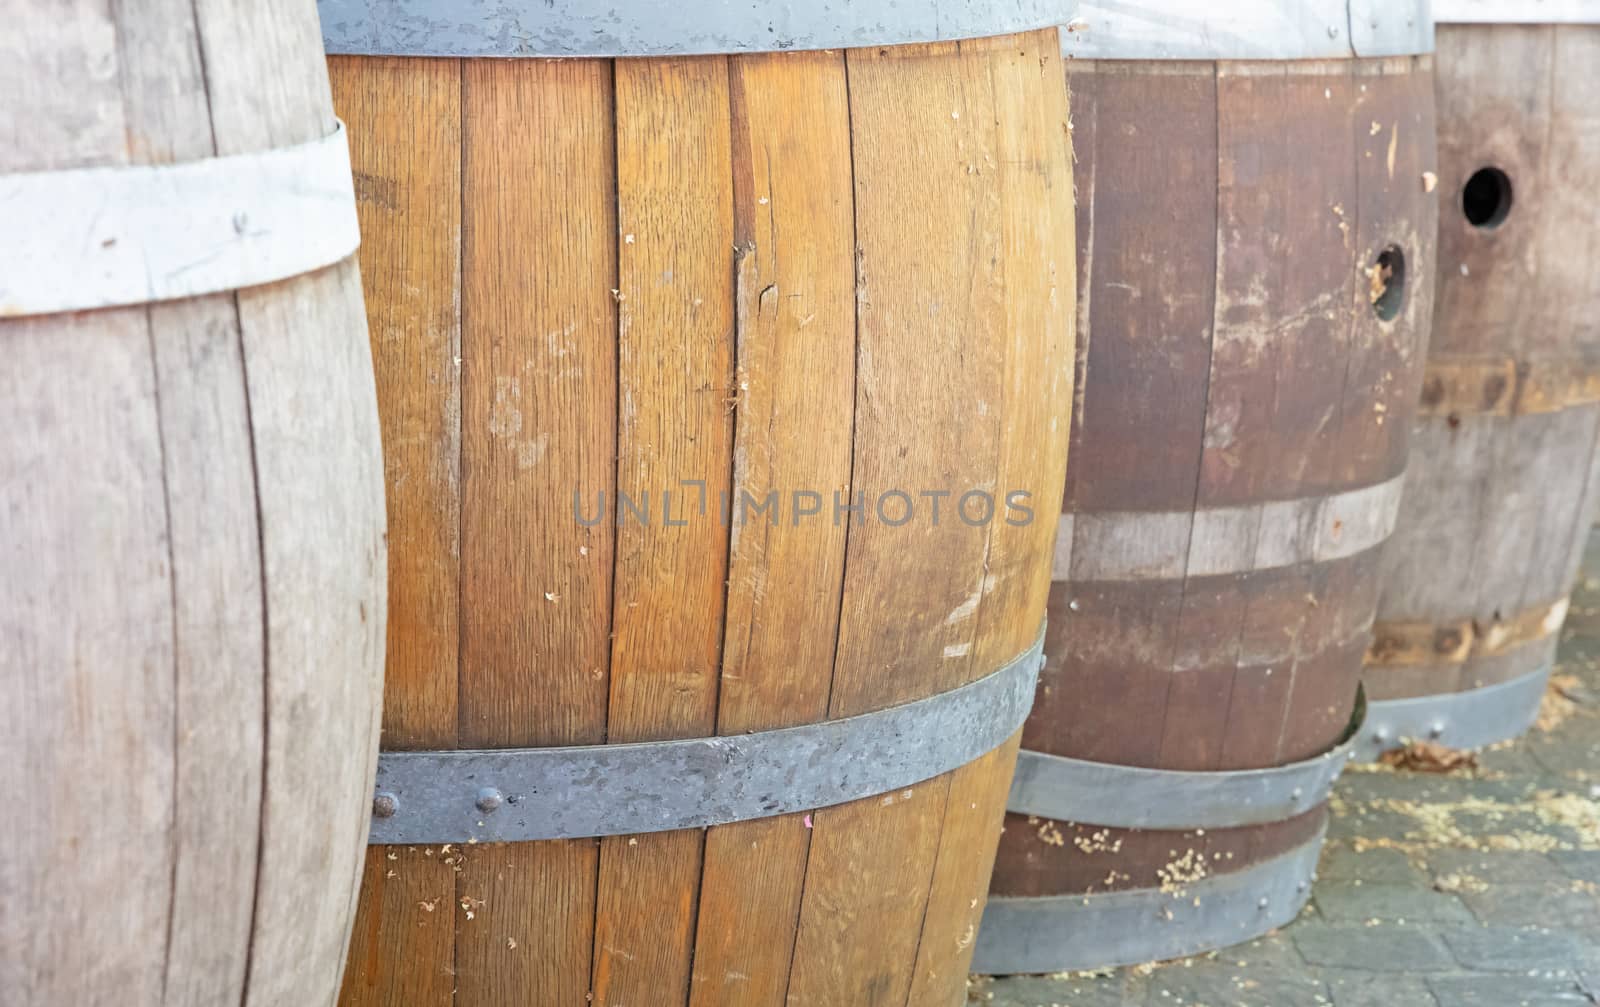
(1497, 882)
(1358, 988)
(1505, 991)
(1508, 949)
(1359, 901)
(1540, 905)
(1378, 949)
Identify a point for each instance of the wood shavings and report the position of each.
(1181, 872)
(1429, 757)
(1378, 276)
(1460, 883)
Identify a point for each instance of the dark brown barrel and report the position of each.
(775, 301)
(1498, 503)
(1256, 255)
(192, 555)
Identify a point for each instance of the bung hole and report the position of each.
(1486, 199)
(1386, 279)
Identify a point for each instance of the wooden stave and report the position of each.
(1042, 858)
(244, 425)
(1526, 323)
(850, 955)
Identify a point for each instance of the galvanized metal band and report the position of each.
(1171, 545)
(1413, 644)
(1131, 797)
(1247, 29)
(92, 238)
(1060, 932)
(665, 27)
(1470, 719)
(516, 795)
(1516, 11)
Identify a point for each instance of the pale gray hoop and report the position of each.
(1211, 541)
(1059, 932)
(1248, 29)
(516, 795)
(1516, 11)
(92, 238)
(664, 27)
(1470, 719)
(1128, 797)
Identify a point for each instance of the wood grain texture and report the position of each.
(794, 406)
(1228, 212)
(666, 282)
(927, 348)
(1498, 504)
(675, 377)
(209, 553)
(539, 398)
(413, 316)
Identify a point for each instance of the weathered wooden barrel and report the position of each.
(1499, 502)
(192, 558)
(692, 699)
(1255, 253)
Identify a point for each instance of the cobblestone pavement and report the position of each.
(1475, 888)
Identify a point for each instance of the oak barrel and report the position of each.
(1498, 505)
(1255, 253)
(192, 559)
(676, 355)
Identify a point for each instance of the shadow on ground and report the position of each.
(1476, 888)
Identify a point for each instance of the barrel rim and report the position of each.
(626, 28)
(1163, 30)
(1055, 933)
(1492, 12)
(1470, 719)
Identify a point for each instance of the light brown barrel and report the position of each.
(1498, 505)
(1256, 246)
(844, 272)
(192, 557)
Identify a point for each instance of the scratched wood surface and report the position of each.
(1228, 214)
(192, 575)
(1503, 489)
(722, 278)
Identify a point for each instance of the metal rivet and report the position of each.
(1296, 794)
(1073, 604)
(1333, 31)
(1381, 734)
(1302, 886)
(488, 799)
(384, 805)
(1436, 729)
(1263, 903)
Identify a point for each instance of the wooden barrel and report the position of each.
(192, 557)
(1255, 251)
(1498, 506)
(691, 697)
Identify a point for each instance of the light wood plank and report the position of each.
(675, 374)
(538, 414)
(794, 404)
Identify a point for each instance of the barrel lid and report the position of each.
(1516, 11)
(1248, 29)
(554, 28)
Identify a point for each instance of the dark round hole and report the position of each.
(1387, 283)
(1486, 200)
